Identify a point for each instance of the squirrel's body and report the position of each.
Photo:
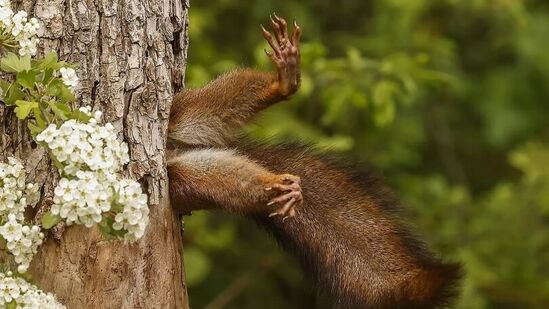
(343, 229)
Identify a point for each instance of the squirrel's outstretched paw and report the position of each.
(285, 54)
(291, 195)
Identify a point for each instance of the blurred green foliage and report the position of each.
(449, 98)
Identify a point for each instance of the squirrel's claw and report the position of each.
(291, 196)
(296, 35)
(286, 197)
(285, 55)
(286, 210)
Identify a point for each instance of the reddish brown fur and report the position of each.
(210, 115)
(208, 178)
(346, 233)
(349, 236)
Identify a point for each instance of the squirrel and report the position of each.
(343, 228)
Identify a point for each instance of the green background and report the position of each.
(448, 98)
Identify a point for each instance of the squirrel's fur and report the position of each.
(344, 228)
(349, 235)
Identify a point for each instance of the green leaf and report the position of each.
(14, 93)
(45, 76)
(40, 121)
(58, 89)
(119, 233)
(105, 228)
(79, 116)
(49, 62)
(24, 108)
(12, 63)
(34, 129)
(49, 220)
(66, 95)
(53, 87)
(11, 305)
(116, 207)
(61, 110)
(26, 79)
(27, 276)
(4, 85)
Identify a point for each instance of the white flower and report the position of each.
(98, 115)
(64, 189)
(135, 214)
(85, 109)
(31, 27)
(5, 16)
(82, 201)
(25, 295)
(32, 192)
(21, 240)
(48, 134)
(11, 230)
(69, 77)
(20, 29)
(19, 20)
(15, 193)
(28, 46)
(90, 189)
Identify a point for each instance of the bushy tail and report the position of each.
(433, 287)
(348, 234)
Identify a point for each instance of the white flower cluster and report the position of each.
(22, 29)
(15, 195)
(85, 146)
(69, 77)
(24, 294)
(90, 188)
(22, 241)
(84, 199)
(134, 216)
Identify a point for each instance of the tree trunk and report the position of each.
(131, 56)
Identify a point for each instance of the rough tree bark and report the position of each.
(131, 56)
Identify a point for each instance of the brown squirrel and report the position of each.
(343, 229)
